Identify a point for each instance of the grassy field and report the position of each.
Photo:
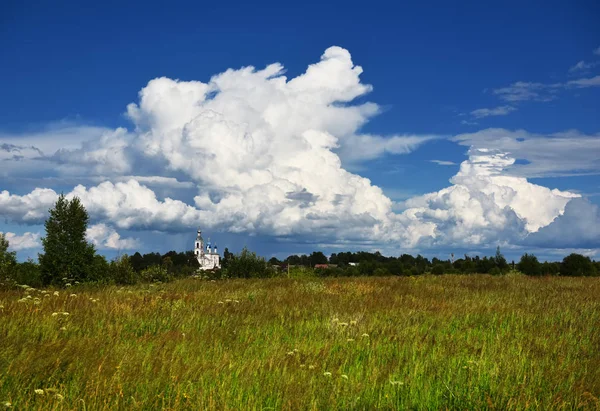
(467, 342)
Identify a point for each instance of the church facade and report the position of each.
(208, 256)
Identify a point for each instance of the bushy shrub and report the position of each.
(121, 271)
(437, 269)
(248, 265)
(156, 273)
(27, 273)
(381, 272)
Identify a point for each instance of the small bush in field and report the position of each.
(155, 273)
(437, 269)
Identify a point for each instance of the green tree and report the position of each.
(529, 265)
(501, 262)
(67, 253)
(577, 265)
(227, 257)
(8, 259)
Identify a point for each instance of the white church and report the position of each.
(208, 257)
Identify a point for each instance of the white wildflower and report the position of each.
(39, 391)
(7, 404)
(56, 294)
(54, 314)
(65, 314)
(58, 397)
(353, 322)
(365, 335)
(344, 376)
(73, 295)
(67, 285)
(343, 324)
(311, 367)
(63, 328)
(350, 340)
(327, 374)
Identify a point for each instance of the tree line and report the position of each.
(68, 258)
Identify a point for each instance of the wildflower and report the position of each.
(54, 314)
(23, 300)
(227, 300)
(46, 295)
(344, 376)
(396, 382)
(73, 295)
(365, 335)
(7, 404)
(302, 365)
(220, 302)
(295, 350)
(58, 397)
(353, 322)
(67, 285)
(56, 293)
(236, 301)
(350, 340)
(39, 391)
(1, 307)
(327, 374)
(311, 367)
(343, 324)
(65, 314)
(76, 282)
(63, 328)
(28, 297)
(290, 353)
(335, 320)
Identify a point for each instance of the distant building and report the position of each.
(208, 257)
(352, 264)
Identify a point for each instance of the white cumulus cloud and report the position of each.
(268, 155)
(105, 237)
(23, 241)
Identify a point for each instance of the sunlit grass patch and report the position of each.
(468, 342)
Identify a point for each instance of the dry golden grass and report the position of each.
(467, 342)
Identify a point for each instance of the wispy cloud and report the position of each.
(582, 66)
(525, 91)
(443, 162)
(497, 111)
(597, 51)
(584, 82)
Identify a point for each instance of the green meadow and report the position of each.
(423, 342)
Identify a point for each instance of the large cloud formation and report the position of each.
(266, 153)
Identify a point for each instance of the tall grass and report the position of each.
(428, 342)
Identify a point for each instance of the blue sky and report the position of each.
(452, 83)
